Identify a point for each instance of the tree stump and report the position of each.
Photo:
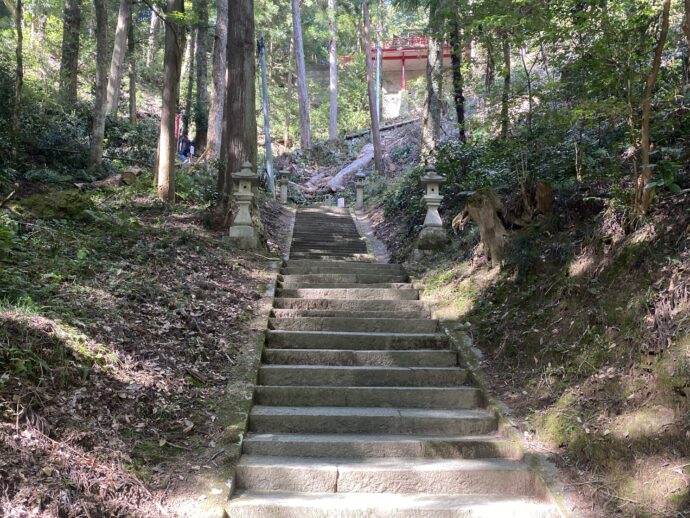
(483, 207)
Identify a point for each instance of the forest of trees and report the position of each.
(605, 82)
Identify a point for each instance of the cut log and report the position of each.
(362, 133)
(337, 183)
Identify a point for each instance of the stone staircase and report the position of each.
(362, 407)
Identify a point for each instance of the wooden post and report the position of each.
(267, 119)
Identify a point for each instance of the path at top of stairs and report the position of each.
(362, 406)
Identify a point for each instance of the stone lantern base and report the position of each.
(244, 237)
(432, 238)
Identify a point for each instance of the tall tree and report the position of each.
(288, 96)
(172, 64)
(643, 191)
(240, 118)
(69, 61)
(151, 47)
(333, 70)
(98, 126)
(187, 115)
(201, 105)
(19, 81)
(118, 57)
(132, 70)
(302, 93)
(373, 115)
(431, 130)
(505, 95)
(458, 82)
(219, 64)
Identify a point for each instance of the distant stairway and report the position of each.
(362, 407)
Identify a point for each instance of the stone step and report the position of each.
(292, 313)
(386, 475)
(368, 376)
(332, 256)
(349, 293)
(280, 504)
(350, 357)
(440, 398)
(397, 421)
(349, 278)
(355, 341)
(349, 305)
(313, 267)
(345, 285)
(377, 446)
(373, 325)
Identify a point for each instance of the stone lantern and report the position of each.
(360, 179)
(284, 181)
(432, 235)
(242, 230)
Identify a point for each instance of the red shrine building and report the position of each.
(403, 59)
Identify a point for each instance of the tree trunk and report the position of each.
(118, 57)
(333, 70)
(288, 96)
(98, 127)
(643, 193)
(19, 82)
(201, 106)
(187, 115)
(151, 47)
(375, 132)
(69, 62)
(431, 131)
(530, 100)
(268, 146)
(456, 65)
(505, 97)
(172, 64)
(240, 116)
(686, 31)
(132, 63)
(490, 71)
(217, 103)
(302, 93)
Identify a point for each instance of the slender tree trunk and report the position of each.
(69, 63)
(490, 71)
(686, 31)
(302, 93)
(530, 100)
(118, 58)
(431, 131)
(644, 194)
(375, 132)
(458, 84)
(172, 64)
(19, 82)
(151, 47)
(333, 70)
(201, 106)
(132, 63)
(187, 116)
(98, 127)
(268, 145)
(505, 97)
(288, 96)
(240, 102)
(217, 103)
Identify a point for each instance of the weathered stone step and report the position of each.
(270, 419)
(364, 278)
(337, 376)
(355, 341)
(386, 475)
(344, 285)
(312, 267)
(280, 504)
(332, 257)
(350, 357)
(440, 398)
(373, 325)
(349, 293)
(349, 305)
(292, 313)
(377, 446)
